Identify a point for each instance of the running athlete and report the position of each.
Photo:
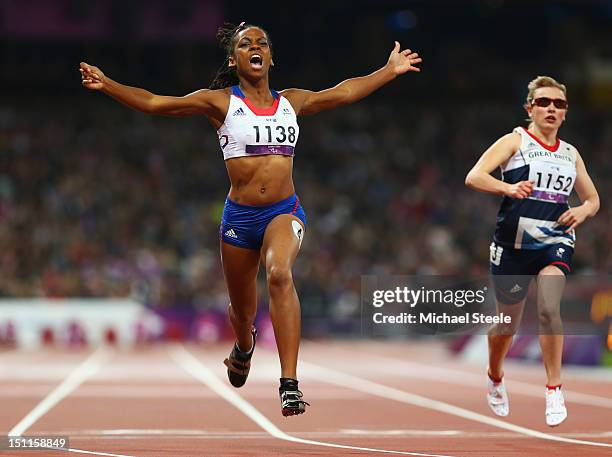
(263, 220)
(535, 234)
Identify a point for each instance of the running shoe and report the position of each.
(239, 363)
(556, 412)
(291, 398)
(497, 397)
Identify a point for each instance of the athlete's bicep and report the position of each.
(498, 153)
(307, 102)
(201, 102)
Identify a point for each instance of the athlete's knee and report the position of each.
(503, 330)
(279, 277)
(549, 316)
(551, 270)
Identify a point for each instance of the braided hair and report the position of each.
(226, 36)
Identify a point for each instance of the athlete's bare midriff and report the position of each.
(261, 180)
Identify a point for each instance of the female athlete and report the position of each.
(535, 235)
(263, 220)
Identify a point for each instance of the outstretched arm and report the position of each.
(351, 90)
(479, 178)
(588, 195)
(205, 102)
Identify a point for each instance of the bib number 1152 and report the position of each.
(561, 183)
(551, 177)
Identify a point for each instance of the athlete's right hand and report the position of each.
(520, 190)
(91, 77)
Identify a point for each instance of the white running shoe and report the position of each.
(556, 412)
(497, 398)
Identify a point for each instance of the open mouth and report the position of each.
(256, 61)
(551, 118)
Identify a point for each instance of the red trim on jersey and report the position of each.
(548, 147)
(562, 263)
(269, 111)
(297, 203)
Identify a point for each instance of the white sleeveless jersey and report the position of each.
(250, 131)
(530, 223)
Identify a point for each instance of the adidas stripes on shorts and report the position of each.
(513, 269)
(244, 226)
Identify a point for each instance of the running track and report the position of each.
(409, 397)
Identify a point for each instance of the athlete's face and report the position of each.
(546, 110)
(252, 54)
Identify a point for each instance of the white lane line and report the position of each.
(199, 371)
(80, 451)
(330, 376)
(79, 375)
(74, 380)
(453, 376)
(343, 433)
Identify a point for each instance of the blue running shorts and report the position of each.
(513, 269)
(244, 226)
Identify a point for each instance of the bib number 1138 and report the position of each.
(282, 134)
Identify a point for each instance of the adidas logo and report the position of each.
(239, 112)
(231, 233)
(516, 289)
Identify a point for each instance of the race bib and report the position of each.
(552, 181)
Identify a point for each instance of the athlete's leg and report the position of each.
(240, 267)
(500, 337)
(280, 247)
(551, 282)
(511, 280)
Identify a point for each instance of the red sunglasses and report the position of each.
(544, 102)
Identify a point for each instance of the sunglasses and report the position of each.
(544, 102)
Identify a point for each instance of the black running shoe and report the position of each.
(239, 363)
(291, 398)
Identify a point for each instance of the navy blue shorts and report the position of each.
(513, 269)
(244, 226)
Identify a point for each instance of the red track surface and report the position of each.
(143, 403)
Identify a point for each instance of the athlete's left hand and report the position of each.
(573, 217)
(403, 61)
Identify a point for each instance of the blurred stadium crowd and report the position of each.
(99, 201)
